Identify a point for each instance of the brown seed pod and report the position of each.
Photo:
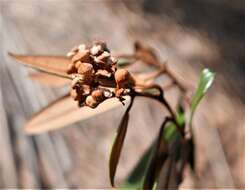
(71, 69)
(91, 102)
(124, 79)
(98, 95)
(83, 56)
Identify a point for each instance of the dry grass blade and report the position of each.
(64, 112)
(158, 159)
(56, 65)
(118, 144)
(49, 80)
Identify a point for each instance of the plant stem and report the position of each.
(164, 102)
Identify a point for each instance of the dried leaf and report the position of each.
(158, 159)
(64, 112)
(118, 143)
(49, 80)
(146, 54)
(56, 65)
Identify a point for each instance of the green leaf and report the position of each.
(170, 130)
(118, 144)
(122, 62)
(205, 82)
(158, 159)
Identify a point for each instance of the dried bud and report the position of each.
(123, 78)
(91, 102)
(107, 93)
(82, 47)
(103, 72)
(75, 82)
(98, 95)
(70, 54)
(104, 56)
(96, 50)
(113, 60)
(86, 69)
(71, 69)
(119, 92)
(77, 64)
(82, 56)
(86, 89)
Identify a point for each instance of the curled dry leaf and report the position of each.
(118, 143)
(146, 54)
(56, 65)
(64, 112)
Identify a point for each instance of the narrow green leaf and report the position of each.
(158, 159)
(118, 143)
(205, 82)
(135, 179)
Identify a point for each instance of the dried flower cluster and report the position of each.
(93, 70)
(95, 78)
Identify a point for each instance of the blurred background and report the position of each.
(191, 35)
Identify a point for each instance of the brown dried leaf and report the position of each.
(46, 63)
(118, 143)
(49, 80)
(64, 112)
(146, 54)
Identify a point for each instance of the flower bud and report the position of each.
(77, 64)
(113, 60)
(86, 69)
(91, 102)
(77, 81)
(70, 54)
(98, 95)
(123, 78)
(71, 68)
(104, 56)
(82, 56)
(96, 50)
(82, 47)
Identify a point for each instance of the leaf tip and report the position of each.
(11, 54)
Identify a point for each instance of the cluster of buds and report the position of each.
(95, 75)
